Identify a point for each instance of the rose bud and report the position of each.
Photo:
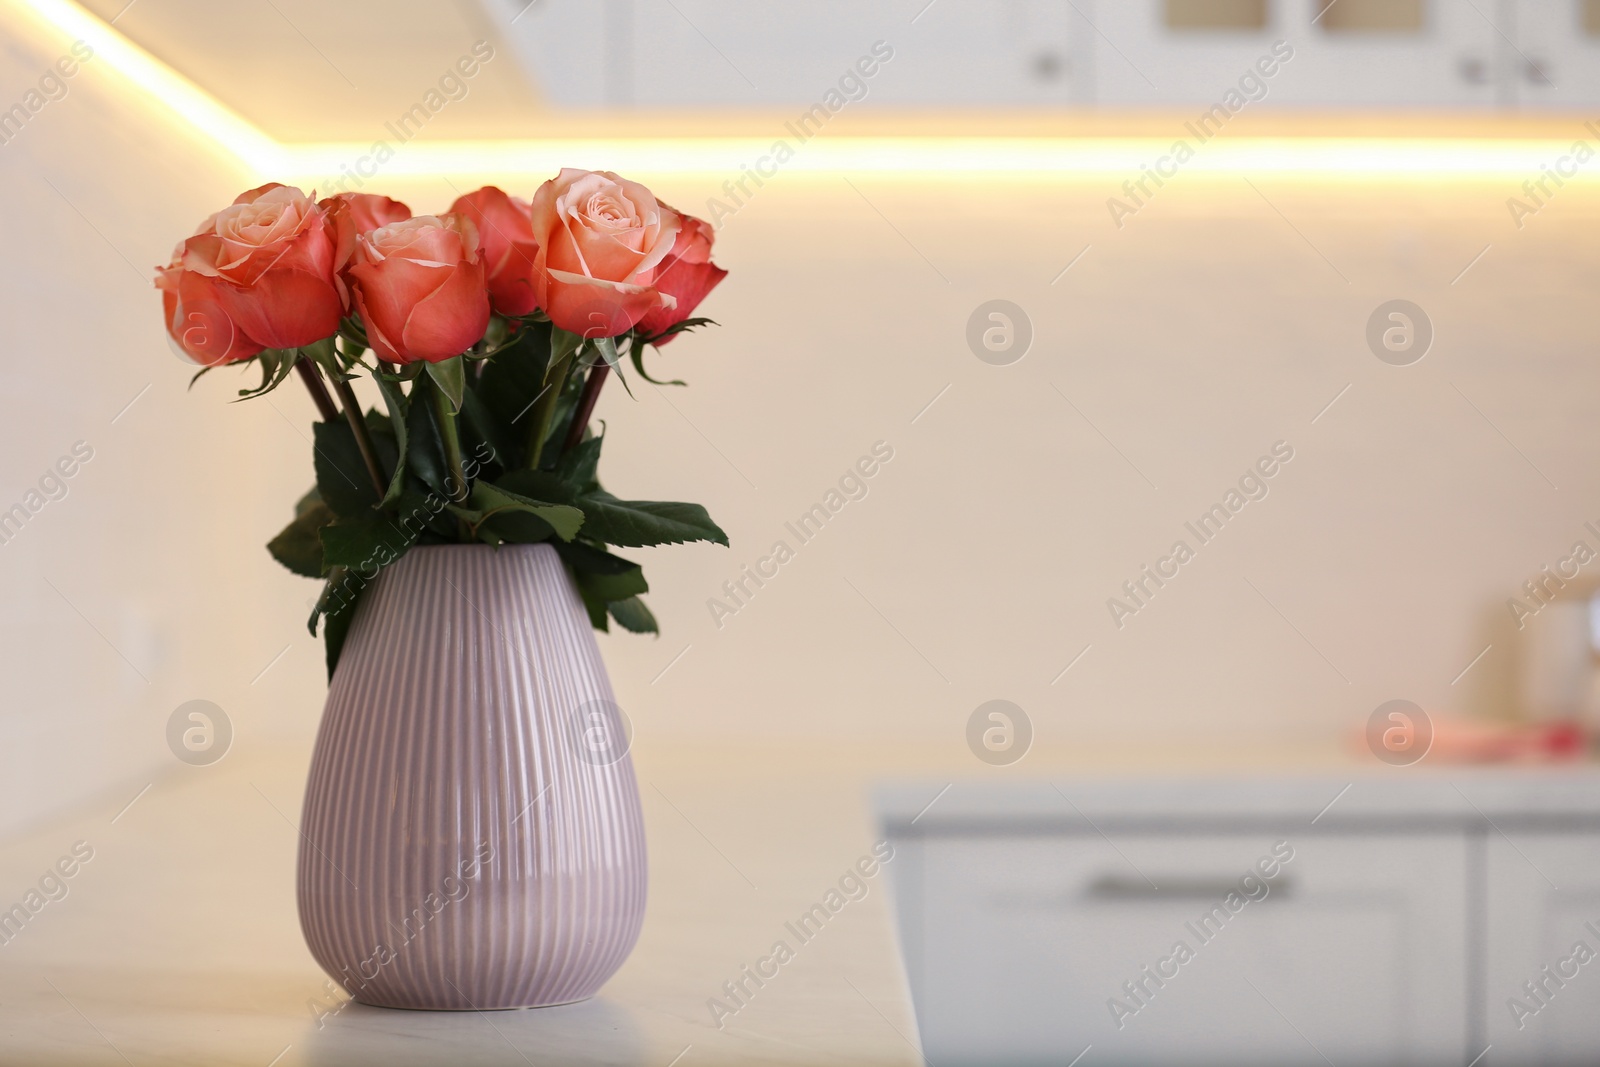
(600, 239)
(418, 285)
(506, 233)
(687, 274)
(267, 264)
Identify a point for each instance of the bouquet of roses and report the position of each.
(488, 332)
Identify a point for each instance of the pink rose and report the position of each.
(195, 321)
(506, 232)
(350, 214)
(418, 285)
(600, 240)
(266, 265)
(687, 275)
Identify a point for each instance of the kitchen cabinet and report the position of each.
(1024, 54)
(1388, 927)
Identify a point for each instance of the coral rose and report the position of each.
(600, 240)
(265, 264)
(351, 214)
(418, 285)
(687, 275)
(198, 326)
(506, 233)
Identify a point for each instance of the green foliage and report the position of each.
(506, 414)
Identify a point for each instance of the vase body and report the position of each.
(471, 837)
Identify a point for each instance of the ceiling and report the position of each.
(317, 70)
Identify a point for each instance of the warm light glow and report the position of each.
(323, 164)
(1123, 157)
(169, 88)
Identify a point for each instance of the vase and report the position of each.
(471, 837)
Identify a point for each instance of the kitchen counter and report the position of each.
(176, 941)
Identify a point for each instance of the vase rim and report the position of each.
(546, 545)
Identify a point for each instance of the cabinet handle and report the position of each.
(1115, 888)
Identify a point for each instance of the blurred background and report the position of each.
(1077, 267)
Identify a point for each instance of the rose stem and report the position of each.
(544, 405)
(358, 426)
(452, 443)
(586, 402)
(318, 391)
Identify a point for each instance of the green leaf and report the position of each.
(563, 344)
(609, 587)
(340, 595)
(424, 448)
(489, 500)
(633, 616)
(513, 378)
(450, 376)
(537, 485)
(636, 352)
(590, 560)
(638, 523)
(395, 401)
(596, 606)
(342, 477)
(337, 628)
(365, 545)
(579, 464)
(275, 364)
(297, 545)
(479, 420)
(607, 347)
(681, 327)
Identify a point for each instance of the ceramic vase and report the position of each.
(471, 837)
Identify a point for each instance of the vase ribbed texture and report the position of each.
(471, 837)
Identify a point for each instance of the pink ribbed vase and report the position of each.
(471, 837)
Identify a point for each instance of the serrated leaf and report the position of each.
(488, 500)
(365, 545)
(537, 485)
(590, 560)
(578, 465)
(640, 523)
(632, 615)
(297, 545)
(609, 587)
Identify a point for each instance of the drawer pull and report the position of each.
(1111, 887)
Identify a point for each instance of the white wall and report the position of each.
(154, 553)
(1210, 326)
(1198, 335)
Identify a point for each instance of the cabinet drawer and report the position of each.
(1174, 949)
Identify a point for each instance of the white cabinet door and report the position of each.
(726, 54)
(1544, 902)
(1555, 61)
(1017, 947)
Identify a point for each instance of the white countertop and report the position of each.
(178, 942)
